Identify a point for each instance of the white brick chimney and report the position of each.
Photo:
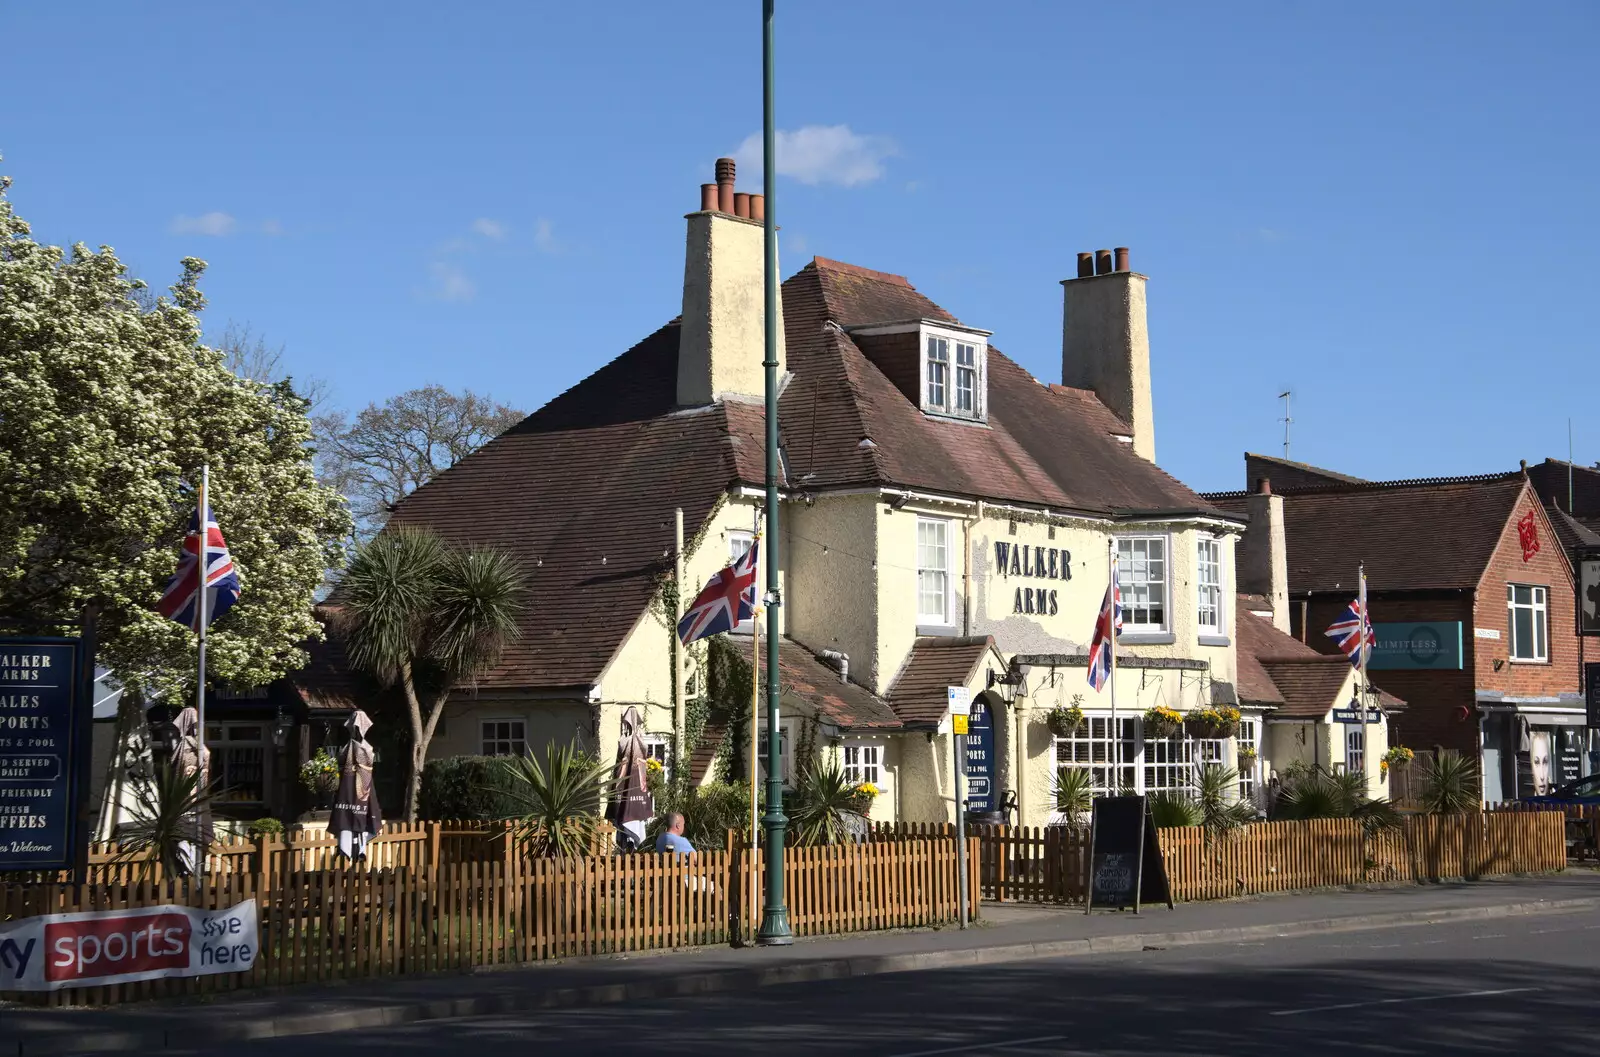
(722, 340)
(1105, 341)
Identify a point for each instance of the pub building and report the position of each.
(948, 520)
(1472, 593)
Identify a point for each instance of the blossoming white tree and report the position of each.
(108, 409)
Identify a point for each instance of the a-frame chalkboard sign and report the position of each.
(1125, 864)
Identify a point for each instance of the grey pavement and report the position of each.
(1503, 987)
(1011, 934)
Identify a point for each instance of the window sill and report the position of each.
(1215, 640)
(1147, 638)
(937, 630)
(981, 421)
(1526, 660)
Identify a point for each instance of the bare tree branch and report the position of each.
(388, 451)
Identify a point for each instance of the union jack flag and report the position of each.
(1353, 630)
(222, 578)
(1100, 644)
(727, 601)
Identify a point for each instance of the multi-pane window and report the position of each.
(1113, 764)
(966, 378)
(739, 544)
(658, 747)
(504, 737)
(1142, 576)
(1249, 738)
(863, 762)
(1528, 608)
(238, 761)
(938, 372)
(1355, 748)
(1208, 580)
(933, 571)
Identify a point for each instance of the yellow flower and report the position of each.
(867, 789)
(653, 765)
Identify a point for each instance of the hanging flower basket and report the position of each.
(861, 800)
(1064, 720)
(1212, 723)
(1247, 758)
(1161, 723)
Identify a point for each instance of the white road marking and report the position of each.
(1396, 1001)
(1491, 936)
(1000, 1045)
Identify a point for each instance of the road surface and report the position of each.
(1506, 987)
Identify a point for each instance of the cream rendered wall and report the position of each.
(926, 772)
(1321, 743)
(831, 554)
(885, 806)
(459, 732)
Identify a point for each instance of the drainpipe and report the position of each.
(839, 660)
(966, 568)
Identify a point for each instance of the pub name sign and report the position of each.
(1036, 563)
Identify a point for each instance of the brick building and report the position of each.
(1472, 595)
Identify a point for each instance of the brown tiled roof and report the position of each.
(919, 694)
(1287, 475)
(1280, 670)
(705, 753)
(1556, 479)
(1571, 531)
(327, 682)
(582, 491)
(850, 706)
(1412, 535)
(1310, 685)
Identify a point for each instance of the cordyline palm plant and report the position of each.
(166, 814)
(1317, 794)
(822, 809)
(1074, 793)
(1449, 784)
(559, 802)
(1216, 794)
(426, 616)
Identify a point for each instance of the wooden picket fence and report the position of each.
(1583, 826)
(318, 925)
(1050, 864)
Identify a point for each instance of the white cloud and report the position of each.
(448, 282)
(544, 237)
(489, 229)
(214, 224)
(818, 154)
(274, 228)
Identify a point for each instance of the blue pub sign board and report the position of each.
(980, 758)
(44, 730)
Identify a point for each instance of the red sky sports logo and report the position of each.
(112, 946)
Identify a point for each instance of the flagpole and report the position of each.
(1366, 689)
(200, 689)
(1111, 679)
(755, 726)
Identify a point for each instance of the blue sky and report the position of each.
(1388, 209)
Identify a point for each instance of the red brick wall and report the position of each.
(1547, 568)
(1433, 697)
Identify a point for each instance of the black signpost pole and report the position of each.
(82, 818)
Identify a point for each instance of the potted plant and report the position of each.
(1066, 720)
(1247, 757)
(862, 796)
(1214, 722)
(1162, 722)
(320, 776)
(1397, 756)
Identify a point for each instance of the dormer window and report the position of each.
(953, 367)
(939, 364)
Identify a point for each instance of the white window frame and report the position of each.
(1249, 738)
(862, 761)
(1092, 748)
(1355, 748)
(659, 747)
(940, 619)
(1538, 607)
(739, 544)
(513, 724)
(942, 375)
(1202, 587)
(788, 730)
(1128, 586)
(219, 744)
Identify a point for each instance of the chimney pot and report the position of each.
(726, 170)
(1263, 486)
(1085, 265)
(708, 198)
(1102, 262)
(741, 204)
(1122, 259)
(758, 207)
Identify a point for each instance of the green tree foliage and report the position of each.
(467, 787)
(108, 410)
(426, 616)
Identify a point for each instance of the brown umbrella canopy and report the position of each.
(631, 803)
